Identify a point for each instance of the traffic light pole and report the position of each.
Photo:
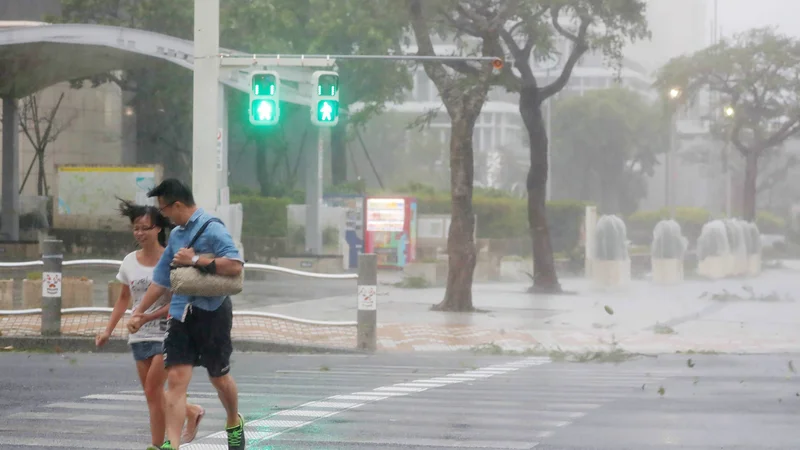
(314, 183)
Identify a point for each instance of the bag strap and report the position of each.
(203, 228)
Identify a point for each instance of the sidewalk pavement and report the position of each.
(643, 318)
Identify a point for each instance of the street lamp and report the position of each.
(674, 94)
(729, 112)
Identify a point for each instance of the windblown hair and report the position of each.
(133, 211)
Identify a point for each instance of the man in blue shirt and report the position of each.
(199, 328)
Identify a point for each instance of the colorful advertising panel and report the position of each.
(390, 230)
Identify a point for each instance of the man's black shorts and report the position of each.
(203, 339)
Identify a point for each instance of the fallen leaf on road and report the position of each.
(609, 310)
(696, 380)
(661, 391)
(689, 362)
(791, 367)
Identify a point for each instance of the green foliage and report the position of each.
(691, 221)
(769, 223)
(608, 157)
(263, 216)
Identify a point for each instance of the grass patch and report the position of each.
(412, 283)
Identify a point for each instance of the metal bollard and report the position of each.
(367, 328)
(52, 257)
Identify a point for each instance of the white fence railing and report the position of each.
(247, 266)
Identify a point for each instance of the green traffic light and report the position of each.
(327, 110)
(264, 84)
(263, 110)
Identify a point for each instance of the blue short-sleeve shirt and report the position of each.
(215, 239)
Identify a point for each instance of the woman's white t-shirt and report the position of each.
(138, 277)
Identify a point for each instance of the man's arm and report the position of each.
(228, 260)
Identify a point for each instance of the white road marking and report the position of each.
(278, 427)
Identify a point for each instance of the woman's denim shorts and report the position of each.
(143, 351)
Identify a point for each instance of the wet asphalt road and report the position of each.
(421, 401)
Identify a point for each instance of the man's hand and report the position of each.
(183, 257)
(135, 322)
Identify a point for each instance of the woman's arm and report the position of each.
(116, 315)
(119, 308)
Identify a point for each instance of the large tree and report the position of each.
(755, 73)
(463, 97)
(537, 30)
(607, 158)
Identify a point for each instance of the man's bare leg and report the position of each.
(229, 396)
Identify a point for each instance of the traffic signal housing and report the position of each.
(325, 98)
(264, 106)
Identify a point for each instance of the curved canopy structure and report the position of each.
(34, 56)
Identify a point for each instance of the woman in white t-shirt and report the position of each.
(149, 230)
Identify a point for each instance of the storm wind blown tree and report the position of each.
(533, 33)
(463, 97)
(757, 74)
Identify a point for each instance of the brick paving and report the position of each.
(391, 336)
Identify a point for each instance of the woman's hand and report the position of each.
(102, 338)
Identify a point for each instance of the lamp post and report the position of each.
(729, 112)
(669, 201)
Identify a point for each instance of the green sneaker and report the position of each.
(236, 435)
(152, 447)
(167, 446)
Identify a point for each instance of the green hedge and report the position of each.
(263, 216)
(769, 223)
(641, 223)
(498, 217)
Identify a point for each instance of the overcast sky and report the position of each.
(739, 15)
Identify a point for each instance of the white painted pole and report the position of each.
(205, 109)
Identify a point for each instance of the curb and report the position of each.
(74, 344)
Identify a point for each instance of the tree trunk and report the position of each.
(461, 251)
(42, 189)
(544, 270)
(750, 190)
(339, 151)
